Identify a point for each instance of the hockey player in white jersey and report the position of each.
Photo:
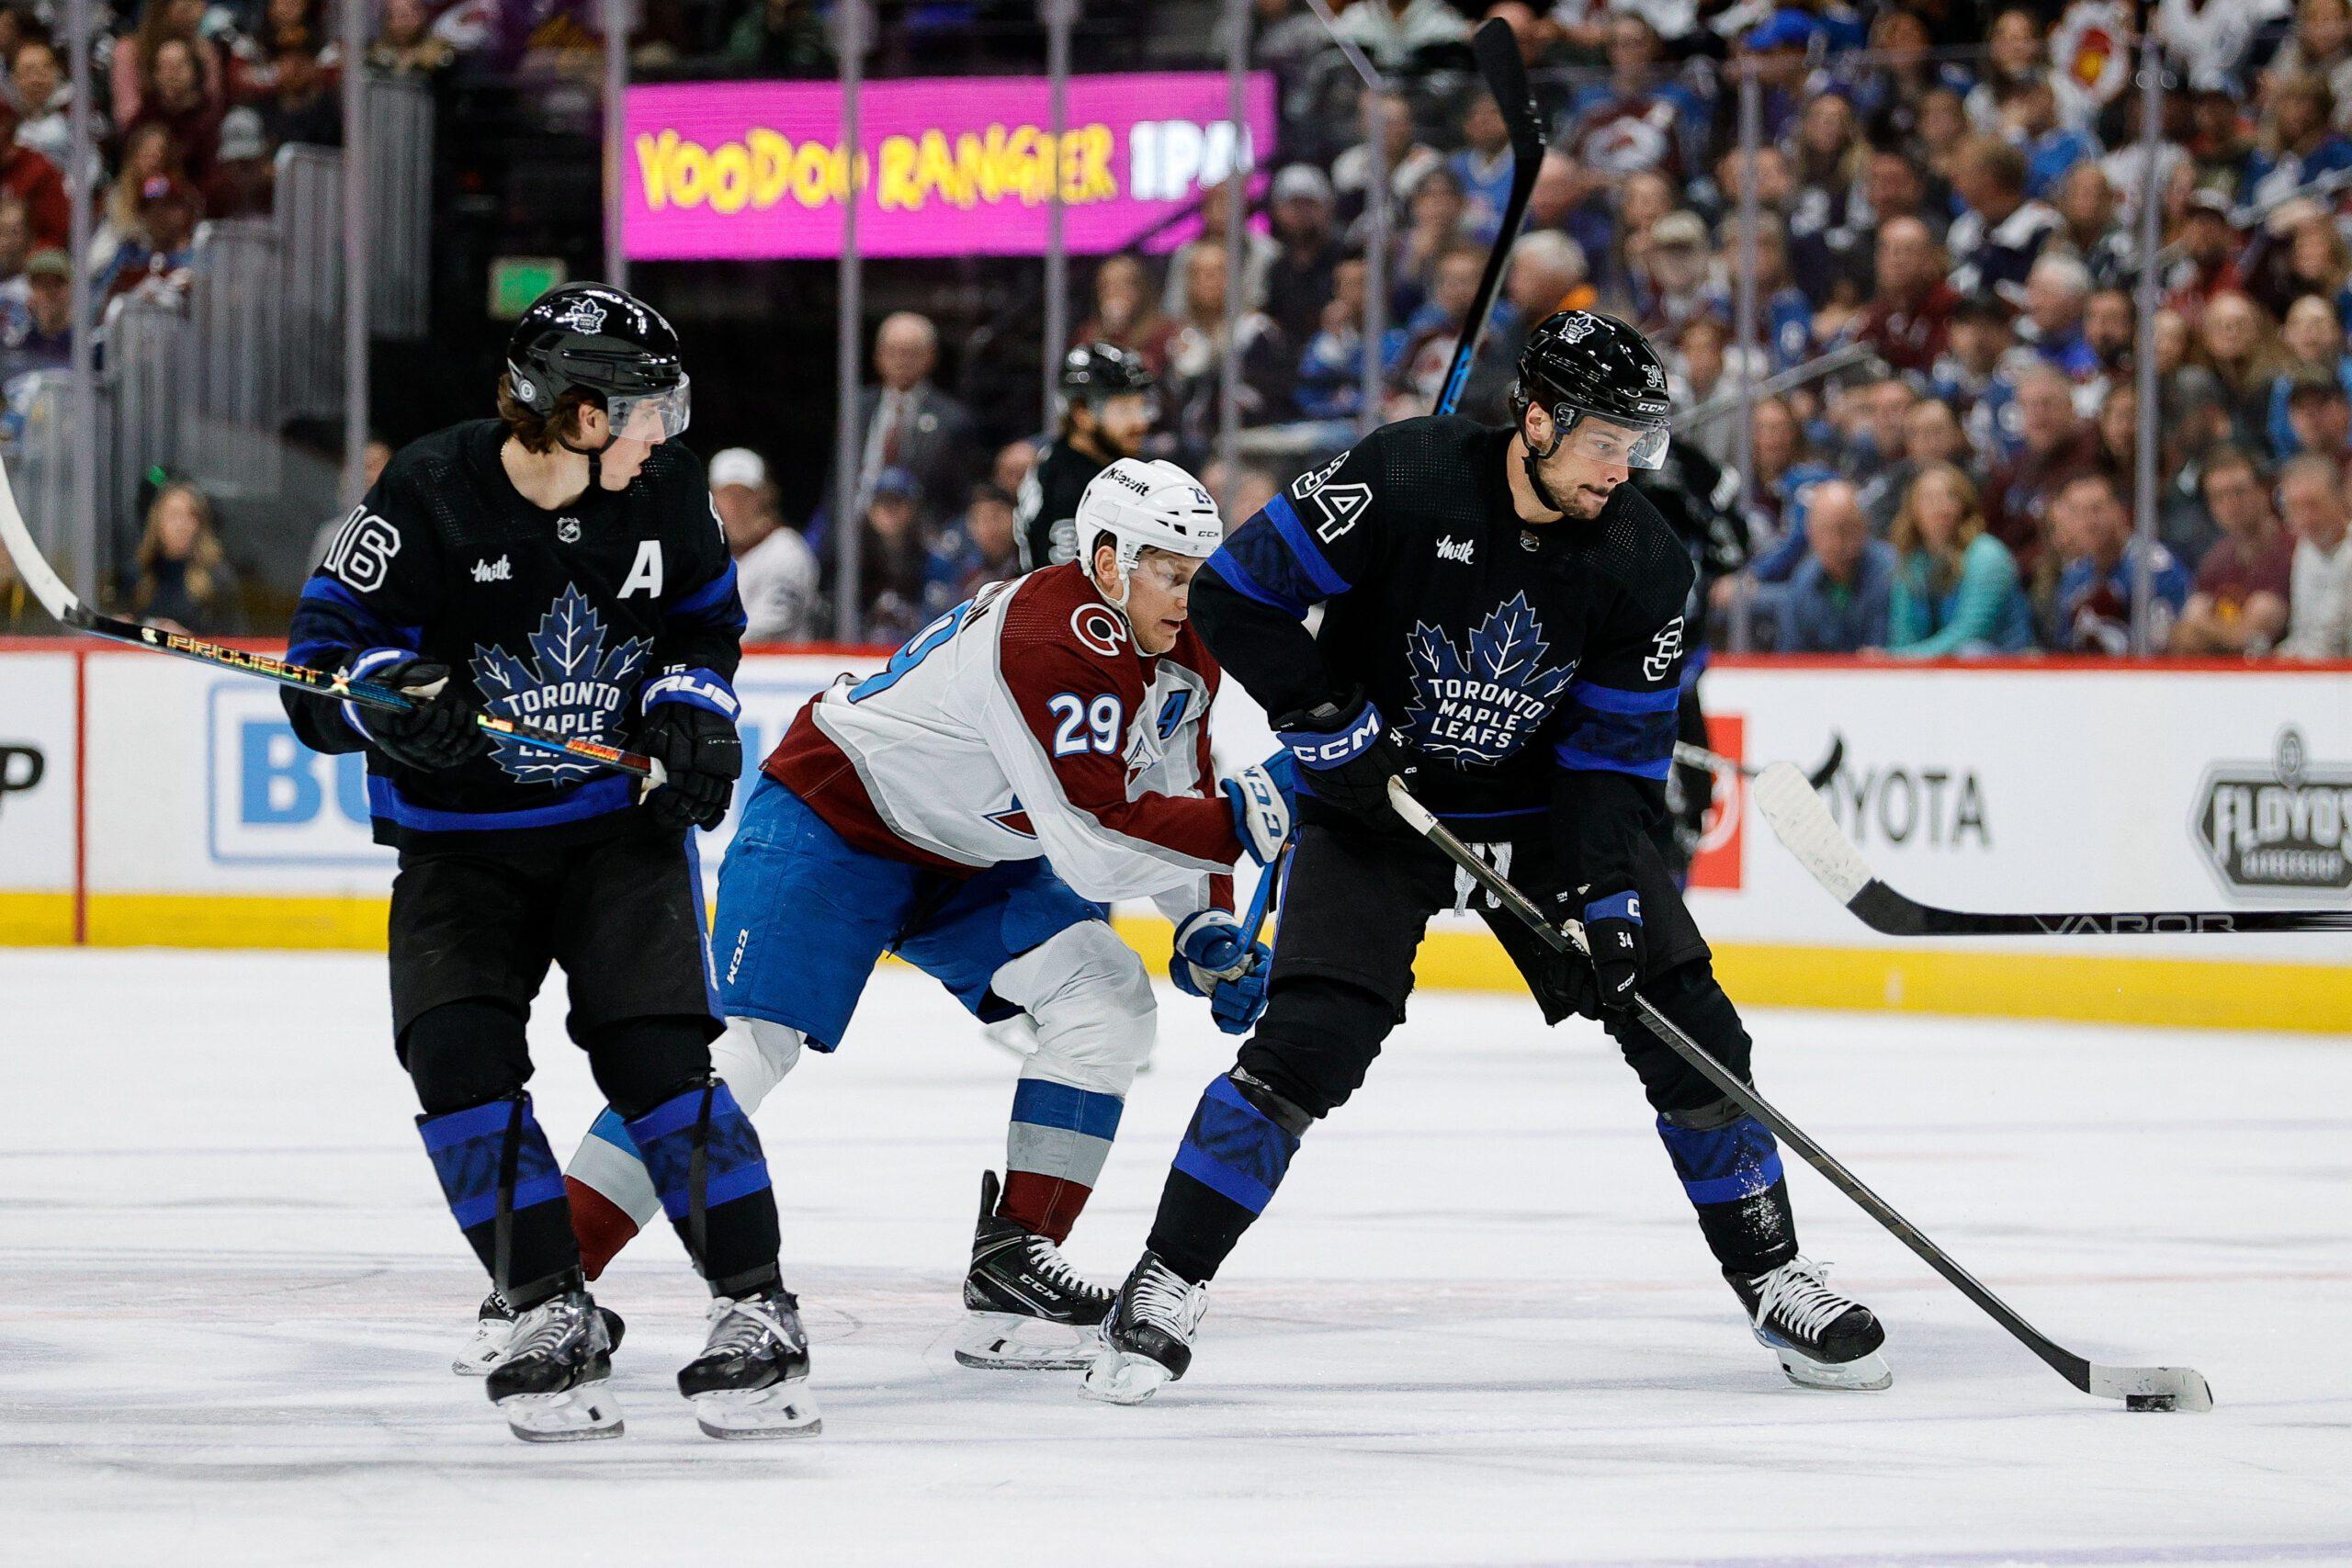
(1035, 750)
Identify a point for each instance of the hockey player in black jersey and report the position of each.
(1503, 628)
(1108, 406)
(561, 564)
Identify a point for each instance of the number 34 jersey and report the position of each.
(1022, 723)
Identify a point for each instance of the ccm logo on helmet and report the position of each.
(1100, 628)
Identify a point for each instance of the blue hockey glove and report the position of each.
(1216, 959)
(1346, 756)
(1264, 799)
(1612, 934)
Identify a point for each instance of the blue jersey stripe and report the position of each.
(1581, 761)
(1309, 556)
(614, 792)
(1616, 699)
(327, 590)
(717, 595)
(1234, 575)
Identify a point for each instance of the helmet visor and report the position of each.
(650, 416)
(1605, 440)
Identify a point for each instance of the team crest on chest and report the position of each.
(570, 684)
(1480, 702)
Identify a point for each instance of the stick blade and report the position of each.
(1800, 818)
(1417, 815)
(31, 565)
(2153, 1388)
(1496, 49)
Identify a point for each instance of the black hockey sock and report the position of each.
(1233, 1157)
(704, 1160)
(1730, 1167)
(506, 1191)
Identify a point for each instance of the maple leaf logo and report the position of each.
(571, 685)
(1481, 702)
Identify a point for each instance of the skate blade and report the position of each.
(488, 1348)
(576, 1415)
(780, 1410)
(1003, 1341)
(1863, 1374)
(1120, 1377)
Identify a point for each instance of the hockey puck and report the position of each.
(2147, 1401)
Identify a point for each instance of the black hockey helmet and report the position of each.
(1092, 372)
(598, 339)
(1580, 364)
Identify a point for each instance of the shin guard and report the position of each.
(507, 1195)
(1233, 1157)
(705, 1162)
(1730, 1167)
(1053, 1152)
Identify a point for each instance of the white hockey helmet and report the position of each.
(1145, 504)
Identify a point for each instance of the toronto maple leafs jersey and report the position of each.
(574, 621)
(1025, 723)
(1535, 668)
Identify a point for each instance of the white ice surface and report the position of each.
(1477, 1326)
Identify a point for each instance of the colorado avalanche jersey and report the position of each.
(1025, 722)
(1533, 668)
(574, 621)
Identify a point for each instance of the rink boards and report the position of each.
(146, 801)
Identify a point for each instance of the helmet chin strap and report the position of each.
(1532, 460)
(595, 455)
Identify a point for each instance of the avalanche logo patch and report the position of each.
(571, 685)
(1480, 703)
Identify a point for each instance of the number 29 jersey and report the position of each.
(1025, 723)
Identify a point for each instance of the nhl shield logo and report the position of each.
(568, 530)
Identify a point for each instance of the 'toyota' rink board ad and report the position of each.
(2004, 789)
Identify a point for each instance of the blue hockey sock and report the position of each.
(705, 1162)
(1233, 1157)
(506, 1193)
(1730, 1167)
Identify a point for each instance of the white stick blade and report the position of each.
(31, 565)
(1801, 820)
(2153, 1388)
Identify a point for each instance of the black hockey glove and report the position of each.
(701, 754)
(1612, 934)
(439, 732)
(1346, 757)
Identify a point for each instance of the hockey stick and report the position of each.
(1262, 902)
(2140, 1388)
(1690, 756)
(1801, 820)
(67, 607)
(1506, 74)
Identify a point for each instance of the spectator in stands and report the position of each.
(1433, 226)
(147, 153)
(1195, 360)
(39, 337)
(2056, 290)
(1570, 199)
(1398, 34)
(2311, 344)
(775, 571)
(1838, 598)
(2017, 52)
(2238, 601)
(1299, 281)
(1956, 592)
(1011, 466)
(2236, 342)
(2110, 326)
(1786, 468)
(1781, 46)
(132, 68)
(1643, 198)
(976, 549)
(406, 45)
(894, 557)
(2320, 46)
(44, 98)
(1258, 251)
(2052, 151)
(2320, 414)
(1127, 312)
(1907, 320)
(1785, 311)
(1974, 373)
(15, 249)
(2091, 613)
(2299, 250)
(1873, 415)
(1640, 117)
(2057, 446)
(2319, 604)
(2117, 423)
(781, 38)
(34, 180)
(1670, 287)
(2299, 143)
(1996, 241)
(906, 422)
(1943, 132)
(1548, 273)
(1418, 371)
(1484, 167)
(301, 109)
(2209, 249)
(181, 577)
(1331, 368)
(2086, 204)
(244, 176)
(162, 254)
(1391, 113)
(175, 98)
(1931, 433)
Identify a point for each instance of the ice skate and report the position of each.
(494, 1332)
(1824, 1339)
(1148, 1338)
(1030, 1311)
(752, 1379)
(553, 1383)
